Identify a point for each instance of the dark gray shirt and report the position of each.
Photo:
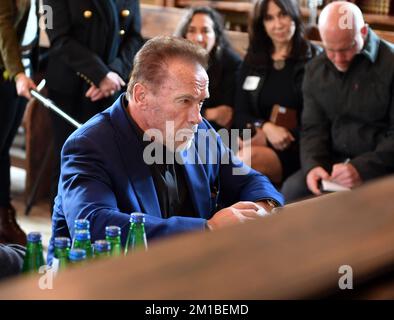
(351, 114)
(11, 259)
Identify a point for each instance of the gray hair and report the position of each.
(151, 62)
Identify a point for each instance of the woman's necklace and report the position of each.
(279, 64)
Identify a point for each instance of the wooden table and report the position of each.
(293, 254)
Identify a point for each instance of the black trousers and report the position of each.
(79, 108)
(12, 108)
(294, 187)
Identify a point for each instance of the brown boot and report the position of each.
(10, 231)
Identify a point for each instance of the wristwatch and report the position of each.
(258, 124)
(253, 127)
(271, 203)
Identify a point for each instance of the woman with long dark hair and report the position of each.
(269, 95)
(204, 26)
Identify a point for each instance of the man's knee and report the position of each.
(294, 187)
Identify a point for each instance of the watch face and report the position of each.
(258, 124)
(272, 203)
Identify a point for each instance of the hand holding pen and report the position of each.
(345, 174)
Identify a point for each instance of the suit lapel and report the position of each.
(197, 181)
(132, 153)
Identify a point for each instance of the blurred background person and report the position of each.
(204, 26)
(272, 74)
(11, 260)
(18, 33)
(347, 132)
(92, 48)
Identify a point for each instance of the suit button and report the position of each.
(87, 14)
(122, 32)
(125, 13)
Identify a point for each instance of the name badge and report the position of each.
(251, 83)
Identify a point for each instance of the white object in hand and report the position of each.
(262, 212)
(332, 186)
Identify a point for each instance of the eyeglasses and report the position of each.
(343, 50)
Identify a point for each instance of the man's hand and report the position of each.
(23, 85)
(239, 212)
(222, 115)
(313, 177)
(94, 93)
(111, 84)
(346, 175)
(279, 137)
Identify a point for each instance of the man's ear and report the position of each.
(139, 95)
(364, 31)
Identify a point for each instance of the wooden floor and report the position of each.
(39, 218)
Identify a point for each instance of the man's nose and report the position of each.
(339, 56)
(195, 115)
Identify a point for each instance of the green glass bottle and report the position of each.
(34, 257)
(137, 237)
(76, 256)
(82, 241)
(81, 224)
(62, 248)
(102, 248)
(112, 234)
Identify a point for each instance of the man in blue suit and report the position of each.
(111, 165)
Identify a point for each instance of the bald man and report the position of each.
(348, 117)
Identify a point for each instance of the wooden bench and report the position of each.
(244, 7)
(157, 20)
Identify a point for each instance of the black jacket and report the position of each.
(222, 70)
(247, 108)
(351, 114)
(89, 38)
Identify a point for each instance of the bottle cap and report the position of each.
(112, 231)
(102, 246)
(81, 224)
(82, 235)
(137, 217)
(34, 237)
(62, 242)
(77, 254)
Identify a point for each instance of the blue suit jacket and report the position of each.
(104, 178)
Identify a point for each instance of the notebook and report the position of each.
(284, 117)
